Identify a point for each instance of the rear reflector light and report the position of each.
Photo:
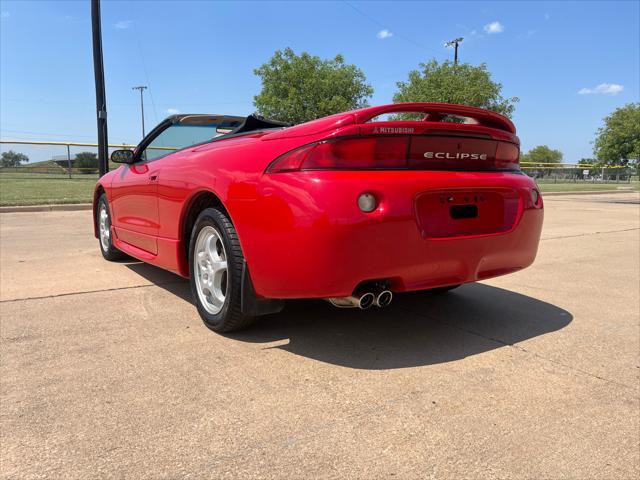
(389, 153)
(367, 202)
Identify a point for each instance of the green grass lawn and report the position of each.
(45, 189)
(585, 186)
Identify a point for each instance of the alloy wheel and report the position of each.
(210, 270)
(105, 227)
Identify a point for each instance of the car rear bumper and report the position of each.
(305, 237)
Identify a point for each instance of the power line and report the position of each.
(144, 69)
(63, 135)
(395, 32)
(28, 132)
(114, 104)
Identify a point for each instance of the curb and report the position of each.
(592, 192)
(72, 207)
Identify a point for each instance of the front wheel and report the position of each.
(103, 221)
(215, 268)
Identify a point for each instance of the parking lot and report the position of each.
(106, 369)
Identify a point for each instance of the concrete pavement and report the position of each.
(107, 371)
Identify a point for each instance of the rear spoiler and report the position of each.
(435, 112)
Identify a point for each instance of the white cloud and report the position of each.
(382, 34)
(494, 27)
(172, 111)
(123, 24)
(5, 14)
(603, 89)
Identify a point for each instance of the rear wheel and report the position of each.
(103, 221)
(215, 267)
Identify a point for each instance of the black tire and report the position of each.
(444, 289)
(230, 317)
(109, 252)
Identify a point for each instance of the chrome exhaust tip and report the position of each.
(384, 298)
(367, 300)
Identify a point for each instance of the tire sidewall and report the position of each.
(112, 250)
(212, 218)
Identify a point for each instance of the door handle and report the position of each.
(153, 177)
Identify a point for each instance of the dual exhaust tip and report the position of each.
(363, 301)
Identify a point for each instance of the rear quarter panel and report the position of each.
(231, 170)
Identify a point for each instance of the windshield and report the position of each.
(191, 130)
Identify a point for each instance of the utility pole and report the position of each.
(101, 97)
(454, 43)
(141, 88)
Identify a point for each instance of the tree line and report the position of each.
(299, 88)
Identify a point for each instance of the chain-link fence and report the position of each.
(54, 159)
(578, 173)
(56, 173)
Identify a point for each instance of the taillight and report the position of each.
(345, 154)
(401, 152)
(507, 156)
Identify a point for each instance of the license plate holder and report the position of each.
(455, 213)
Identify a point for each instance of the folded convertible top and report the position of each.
(256, 122)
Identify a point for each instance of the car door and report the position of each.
(134, 205)
(134, 191)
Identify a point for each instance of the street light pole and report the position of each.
(454, 43)
(101, 97)
(141, 88)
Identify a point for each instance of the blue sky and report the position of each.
(570, 63)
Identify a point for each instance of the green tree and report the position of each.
(542, 154)
(618, 141)
(12, 159)
(299, 88)
(87, 161)
(448, 83)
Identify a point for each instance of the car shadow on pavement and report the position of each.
(418, 329)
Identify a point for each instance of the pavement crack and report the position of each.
(589, 234)
(69, 294)
(520, 348)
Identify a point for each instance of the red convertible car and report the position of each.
(350, 208)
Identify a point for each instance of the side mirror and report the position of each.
(122, 156)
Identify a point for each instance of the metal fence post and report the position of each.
(69, 160)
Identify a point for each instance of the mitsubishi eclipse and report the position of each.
(351, 208)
